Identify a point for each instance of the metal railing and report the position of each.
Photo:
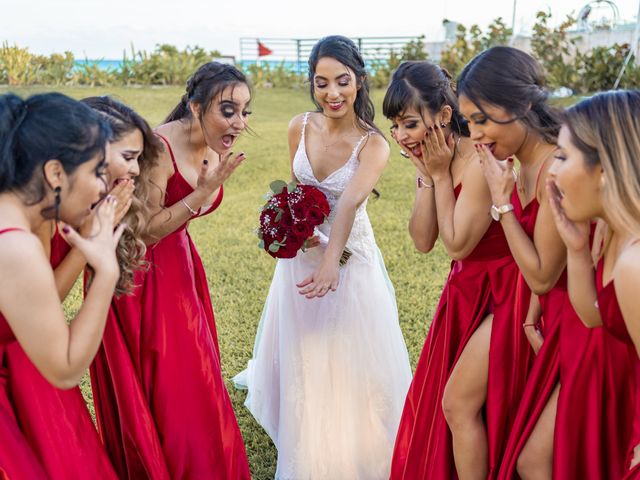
(294, 52)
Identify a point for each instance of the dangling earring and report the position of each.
(56, 203)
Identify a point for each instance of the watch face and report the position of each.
(495, 213)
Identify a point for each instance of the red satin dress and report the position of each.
(50, 434)
(613, 322)
(481, 284)
(162, 407)
(587, 434)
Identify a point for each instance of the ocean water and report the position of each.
(290, 65)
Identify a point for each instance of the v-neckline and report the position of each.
(306, 155)
(313, 174)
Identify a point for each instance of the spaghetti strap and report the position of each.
(11, 229)
(173, 158)
(304, 124)
(541, 169)
(362, 139)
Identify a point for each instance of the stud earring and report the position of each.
(442, 124)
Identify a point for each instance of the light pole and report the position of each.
(513, 23)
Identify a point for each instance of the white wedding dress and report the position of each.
(329, 376)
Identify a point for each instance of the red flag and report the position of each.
(262, 50)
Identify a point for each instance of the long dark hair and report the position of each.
(202, 87)
(131, 249)
(345, 51)
(513, 80)
(423, 84)
(44, 127)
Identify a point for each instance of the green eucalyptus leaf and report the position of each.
(277, 186)
(274, 247)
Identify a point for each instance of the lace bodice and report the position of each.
(361, 241)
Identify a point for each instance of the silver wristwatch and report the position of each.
(497, 212)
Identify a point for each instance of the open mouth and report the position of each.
(335, 105)
(228, 140)
(414, 148)
(491, 147)
(127, 178)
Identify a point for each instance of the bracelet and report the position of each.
(191, 210)
(528, 325)
(420, 183)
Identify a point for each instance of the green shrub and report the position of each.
(601, 67)
(556, 52)
(382, 69)
(17, 66)
(470, 43)
(166, 65)
(265, 75)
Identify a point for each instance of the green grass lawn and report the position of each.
(239, 273)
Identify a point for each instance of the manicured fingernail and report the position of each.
(205, 161)
(66, 229)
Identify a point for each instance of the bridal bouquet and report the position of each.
(289, 217)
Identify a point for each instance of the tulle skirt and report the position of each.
(328, 377)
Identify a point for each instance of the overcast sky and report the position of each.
(103, 29)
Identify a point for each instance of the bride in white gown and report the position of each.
(330, 369)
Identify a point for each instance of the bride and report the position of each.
(330, 368)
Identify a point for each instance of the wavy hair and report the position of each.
(130, 250)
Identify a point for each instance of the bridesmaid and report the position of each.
(35, 399)
(501, 93)
(60, 146)
(547, 437)
(161, 401)
(452, 200)
(597, 175)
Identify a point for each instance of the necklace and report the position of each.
(327, 146)
(520, 182)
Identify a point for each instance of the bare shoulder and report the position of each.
(627, 269)
(295, 125)
(20, 250)
(375, 147)
(164, 163)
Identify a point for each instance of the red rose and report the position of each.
(315, 215)
(286, 221)
(302, 230)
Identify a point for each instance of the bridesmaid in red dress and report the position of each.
(597, 175)
(452, 200)
(133, 149)
(162, 405)
(552, 424)
(501, 93)
(59, 176)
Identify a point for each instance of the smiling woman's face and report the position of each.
(335, 87)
